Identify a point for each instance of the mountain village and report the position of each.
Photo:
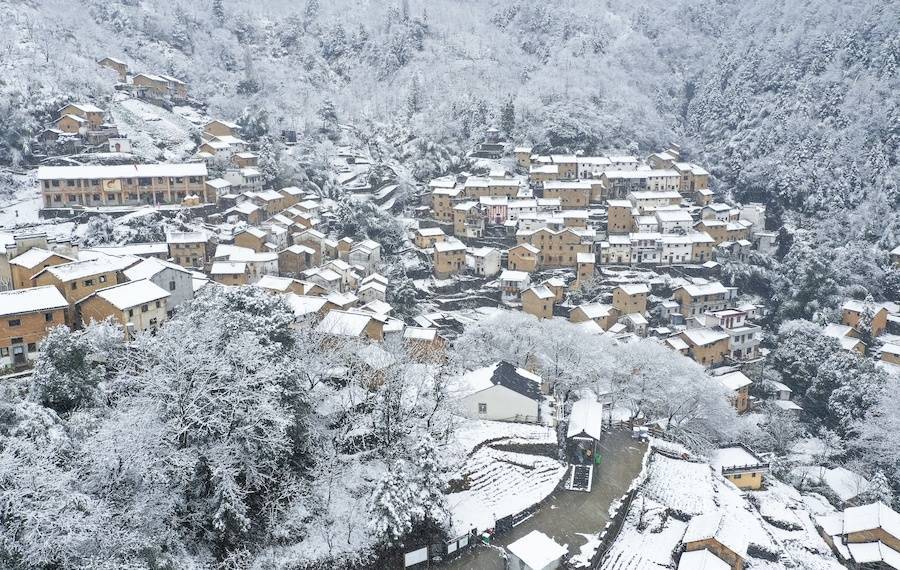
(618, 247)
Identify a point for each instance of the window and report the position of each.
(17, 340)
(144, 308)
(48, 317)
(14, 322)
(482, 408)
(737, 476)
(102, 279)
(130, 312)
(171, 285)
(32, 347)
(74, 285)
(88, 282)
(158, 304)
(4, 351)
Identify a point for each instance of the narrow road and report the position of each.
(565, 514)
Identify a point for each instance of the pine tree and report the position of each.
(218, 11)
(508, 117)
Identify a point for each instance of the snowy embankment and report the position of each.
(155, 133)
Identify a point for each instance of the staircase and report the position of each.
(581, 478)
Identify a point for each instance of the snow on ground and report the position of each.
(776, 522)
(150, 127)
(472, 433)
(501, 483)
(586, 554)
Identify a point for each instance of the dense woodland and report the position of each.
(114, 457)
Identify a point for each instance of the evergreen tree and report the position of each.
(218, 12)
(508, 117)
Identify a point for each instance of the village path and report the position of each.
(565, 515)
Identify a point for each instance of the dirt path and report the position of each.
(568, 514)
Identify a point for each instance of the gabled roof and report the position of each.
(504, 374)
(150, 267)
(634, 288)
(586, 418)
(31, 300)
(716, 527)
(131, 294)
(541, 292)
(344, 323)
(34, 257)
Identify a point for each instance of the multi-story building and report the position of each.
(691, 177)
(631, 298)
(696, 299)
(25, 266)
(126, 184)
(744, 336)
(572, 194)
(139, 306)
(707, 346)
(188, 249)
(449, 258)
(523, 257)
(25, 316)
(557, 248)
(538, 301)
(78, 279)
(619, 217)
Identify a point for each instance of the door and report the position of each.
(18, 355)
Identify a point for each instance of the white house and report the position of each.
(500, 392)
(173, 278)
(535, 551)
(484, 261)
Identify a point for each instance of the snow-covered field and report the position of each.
(501, 484)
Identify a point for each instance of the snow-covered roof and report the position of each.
(33, 299)
(186, 237)
(377, 307)
(865, 553)
(704, 336)
(420, 333)
(274, 283)
(677, 343)
(714, 288)
(872, 516)
(303, 305)
(714, 526)
(541, 292)
(430, 232)
(587, 418)
(112, 171)
(449, 246)
(514, 276)
(537, 550)
(341, 299)
(88, 267)
(734, 380)
(595, 310)
(701, 560)
(504, 374)
(585, 257)
(84, 107)
(228, 268)
(34, 257)
(733, 456)
(634, 288)
(132, 294)
(527, 247)
(150, 267)
(344, 323)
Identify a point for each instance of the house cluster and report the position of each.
(82, 124)
(220, 144)
(877, 322)
(56, 285)
(618, 210)
(155, 86)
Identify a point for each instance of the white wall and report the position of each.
(502, 404)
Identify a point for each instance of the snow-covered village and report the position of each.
(440, 284)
